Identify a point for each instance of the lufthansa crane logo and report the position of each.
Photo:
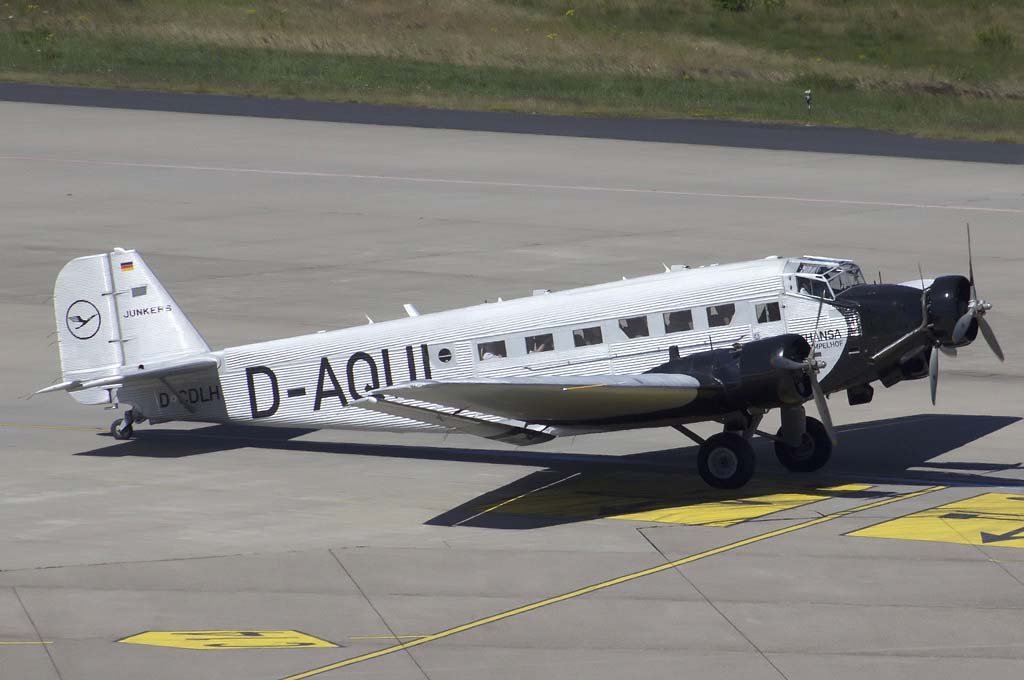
(83, 319)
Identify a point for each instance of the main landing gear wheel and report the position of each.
(813, 452)
(118, 430)
(726, 461)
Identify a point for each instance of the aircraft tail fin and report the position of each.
(112, 312)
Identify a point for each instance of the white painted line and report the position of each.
(517, 185)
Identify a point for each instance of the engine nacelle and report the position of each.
(749, 375)
(947, 300)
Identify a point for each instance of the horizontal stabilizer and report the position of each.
(157, 372)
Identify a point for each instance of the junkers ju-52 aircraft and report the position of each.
(723, 343)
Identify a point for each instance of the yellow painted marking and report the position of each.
(649, 497)
(227, 639)
(386, 637)
(610, 583)
(728, 512)
(26, 642)
(991, 519)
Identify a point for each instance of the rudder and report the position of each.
(111, 312)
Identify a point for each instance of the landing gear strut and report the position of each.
(813, 452)
(122, 427)
(726, 460)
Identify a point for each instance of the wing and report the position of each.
(533, 408)
(479, 424)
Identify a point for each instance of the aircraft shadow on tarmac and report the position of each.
(590, 486)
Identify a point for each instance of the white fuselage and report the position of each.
(311, 380)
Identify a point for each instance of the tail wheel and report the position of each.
(118, 430)
(813, 452)
(726, 461)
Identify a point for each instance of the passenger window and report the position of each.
(587, 336)
(491, 350)
(635, 327)
(540, 343)
(721, 315)
(678, 321)
(768, 312)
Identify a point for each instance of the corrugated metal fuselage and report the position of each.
(312, 380)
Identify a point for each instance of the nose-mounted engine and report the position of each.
(947, 302)
(906, 328)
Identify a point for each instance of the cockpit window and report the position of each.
(843, 277)
(813, 287)
(810, 268)
(823, 278)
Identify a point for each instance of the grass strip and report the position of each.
(40, 56)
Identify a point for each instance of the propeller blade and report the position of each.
(990, 338)
(933, 373)
(970, 262)
(826, 416)
(963, 324)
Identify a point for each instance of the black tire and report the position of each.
(117, 432)
(726, 461)
(812, 455)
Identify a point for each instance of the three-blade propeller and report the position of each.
(810, 367)
(976, 310)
